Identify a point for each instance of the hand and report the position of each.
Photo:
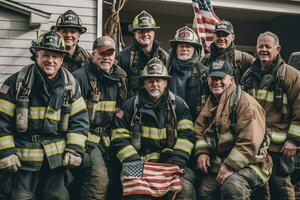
(10, 163)
(223, 174)
(203, 163)
(71, 160)
(289, 149)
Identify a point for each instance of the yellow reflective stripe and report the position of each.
(201, 143)
(285, 100)
(154, 133)
(77, 106)
(226, 137)
(55, 148)
(7, 107)
(263, 174)
(278, 137)
(126, 152)
(75, 138)
(106, 141)
(36, 155)
(151, 156)
(265, 95)
(238, 158)
(294, 130)
(184, 145)
(185, 124)
(37, 112)
(93, 138)
(107, 106)
(7, 142)
(120, 133)
(53, 114)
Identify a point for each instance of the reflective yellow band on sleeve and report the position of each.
(225, 137)
(7, 107)
(126, 152)
(7, 142)
(34, 155)
(93, 138)
(53, 114)
(294, 130)
(77, 139)
(238, 158)
(278, 137)
(154, 133)
(55, 148)
(120, 133)
(106, 106)
(201, 144)
(263, 174)
(185, 124)
(77, 106)
(150, 157)
(184, 145)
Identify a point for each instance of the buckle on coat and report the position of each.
(99, 130)
(35, 138)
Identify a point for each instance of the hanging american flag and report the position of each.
(204, 20)
(148, 178)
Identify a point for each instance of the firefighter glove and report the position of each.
(11, 163)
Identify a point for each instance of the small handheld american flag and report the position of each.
(148, 178)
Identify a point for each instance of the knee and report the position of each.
(24, 195)
(188, 191)
(57, 195)
(235, 189)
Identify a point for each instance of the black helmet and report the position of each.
(51, 41)
(154, 68)
(143, 21)
(186, 35)
(70, 19)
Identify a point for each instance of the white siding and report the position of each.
(16, 34)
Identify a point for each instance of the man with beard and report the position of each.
(43, 124)
(70, 26)
(188, 75)
(155, 126)
(276, 86)
(223, 48)
(134, 58)
(103, 86)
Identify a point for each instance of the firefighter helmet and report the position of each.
(51, 41)
(143, 21)
(154, 68)
(186, 35)
(70, 19)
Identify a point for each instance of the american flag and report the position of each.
(149, 178)
(205, 20)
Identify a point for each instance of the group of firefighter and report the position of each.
(70, 121)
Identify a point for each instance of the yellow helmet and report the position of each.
(70, 19)
(154, 68)
(186, 35)
(143, 21)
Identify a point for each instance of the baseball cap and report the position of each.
(220, 68)
(225, 26)
(104, 43)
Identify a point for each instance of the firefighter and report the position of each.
(134, 58)
(44, 124)
(188, 75)
(276, 86)
(223, 48)
(104, 87)
(155, 126)
(231, 145)
(70, 26)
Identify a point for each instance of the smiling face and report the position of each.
(104, 60)
(155, 87)
(223, 40)
(218, 85)
(49, 62)
(145, 38)
(267, 49)
(185, 51)
(71, 37)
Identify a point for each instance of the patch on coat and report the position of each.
(4, 89)
(120, 114)
(248, 114)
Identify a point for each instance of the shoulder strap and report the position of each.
(70, 83)
(132, 59)
(173, 105)
(25, 81)
(232, 107)
(135, 116)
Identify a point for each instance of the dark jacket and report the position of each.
(80, 58)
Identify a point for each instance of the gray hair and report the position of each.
(269, 33)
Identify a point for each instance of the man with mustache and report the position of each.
(70, 26)
(104, 88)
(134, 58)
(188, 75)
(155, 126)
(223, 48)
(276, 86)
(231, 145)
